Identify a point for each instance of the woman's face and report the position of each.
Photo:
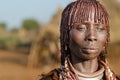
(87, 39)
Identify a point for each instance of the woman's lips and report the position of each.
(90, 50)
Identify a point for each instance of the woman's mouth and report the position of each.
(90, 50)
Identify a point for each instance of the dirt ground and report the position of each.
(13, 67)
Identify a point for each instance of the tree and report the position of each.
(30, 24)
(3, 25)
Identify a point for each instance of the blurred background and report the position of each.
(29, 37)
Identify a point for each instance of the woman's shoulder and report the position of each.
(52, 75)
(55, 75)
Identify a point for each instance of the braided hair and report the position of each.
(78, 12)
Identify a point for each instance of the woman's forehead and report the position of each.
(87, 23)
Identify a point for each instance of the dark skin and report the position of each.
(87, 41)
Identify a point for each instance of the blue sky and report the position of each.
(12, 12)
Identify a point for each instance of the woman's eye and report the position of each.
(81, 27)
(100, 28)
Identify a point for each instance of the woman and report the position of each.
(84, 35)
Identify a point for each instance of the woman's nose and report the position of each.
(91, 35)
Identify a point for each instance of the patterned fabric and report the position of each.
(57, 74)
(53, 75)
(64, 73)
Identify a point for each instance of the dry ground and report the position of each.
(13, 67)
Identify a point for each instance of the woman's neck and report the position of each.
(85, 66)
